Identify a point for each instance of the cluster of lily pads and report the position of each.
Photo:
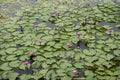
(61, 45)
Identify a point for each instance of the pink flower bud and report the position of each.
(32, 53)
(26, 63)
(85, 15)
(75, 71)
(78, 33)
(35, 25)
(110, 30)
(58, 12)
(68, 44)
(39, 41)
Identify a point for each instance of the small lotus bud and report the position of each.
(26, 63)
(68, 44)
(110, 30)
(35, 25)
(39, 41)
(32, 53)
(78, 33)
(75, 71)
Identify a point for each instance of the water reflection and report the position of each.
(12, 7)
(49, 24)
(111, 24)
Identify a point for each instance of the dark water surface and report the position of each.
(111, 24)
(11, 8)
(17, 6)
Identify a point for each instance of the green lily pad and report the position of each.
(12, 75)
(10, 50)
(5, 66)
(14, 64)
(11, 58)
(25, 77)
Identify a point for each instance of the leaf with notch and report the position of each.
(109, 57)
(10, 50)
(11, 57)
(25, 77)
(12, 75)
(14, 63)
(5, 66)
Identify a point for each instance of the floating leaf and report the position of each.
(60, 72)
(11, 57)
(51, 75)
(24, 57)
(14, 64)
(45, 65)
(25, 77)
(117, 52)
(48, 55)
(65, 65)
(39, 58)
(57, 46)
(78, 65)
(43, 72)
(12, 75)
(10, 50)
(22, 66)
(88, 72)
(66, 78)
(109, 57)
(5, 66)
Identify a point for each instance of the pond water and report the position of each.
(11, 10)
(11, 7)
(111, 24)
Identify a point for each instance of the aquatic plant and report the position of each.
(76, 43)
